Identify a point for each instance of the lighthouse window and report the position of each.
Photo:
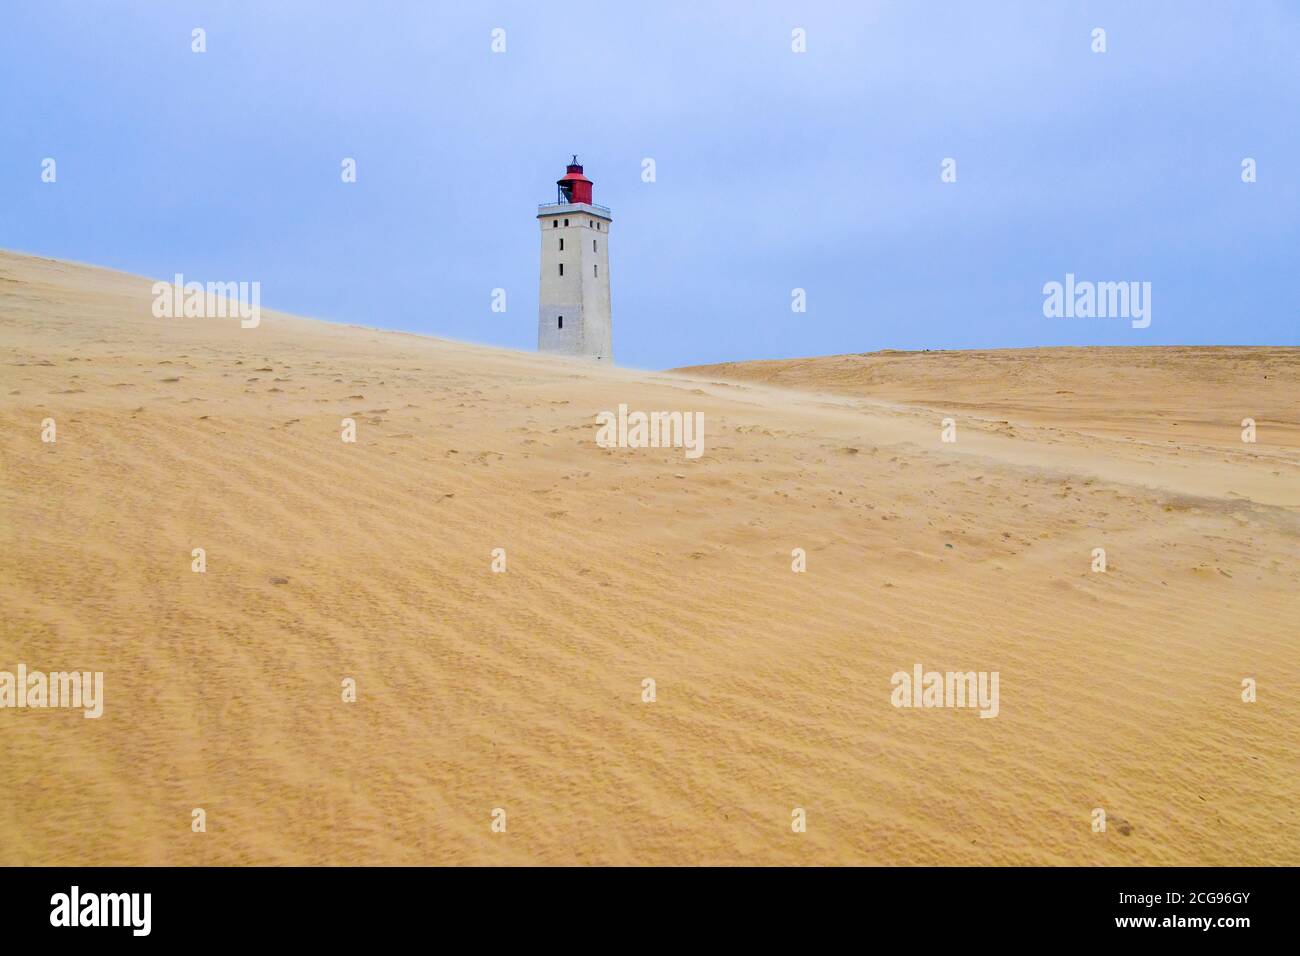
(561, 268)
(593, 245)
(597, 270)
(566, 222)
(561, 243)
(561, 321)
(555, 224)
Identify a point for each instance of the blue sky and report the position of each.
(775, 170)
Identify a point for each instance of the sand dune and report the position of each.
(523, 690)
(1173, 395)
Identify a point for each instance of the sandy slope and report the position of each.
(1170, 395)
(522, 690)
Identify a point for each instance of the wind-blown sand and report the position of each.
(522, 690)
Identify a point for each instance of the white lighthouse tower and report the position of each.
(573, 315)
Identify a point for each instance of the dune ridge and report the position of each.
(523, 690)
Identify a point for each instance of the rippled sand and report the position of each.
(523, 690)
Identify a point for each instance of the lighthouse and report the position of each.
(573, 314)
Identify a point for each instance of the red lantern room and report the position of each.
(574, 187)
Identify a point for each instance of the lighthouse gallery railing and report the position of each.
(598, 208)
